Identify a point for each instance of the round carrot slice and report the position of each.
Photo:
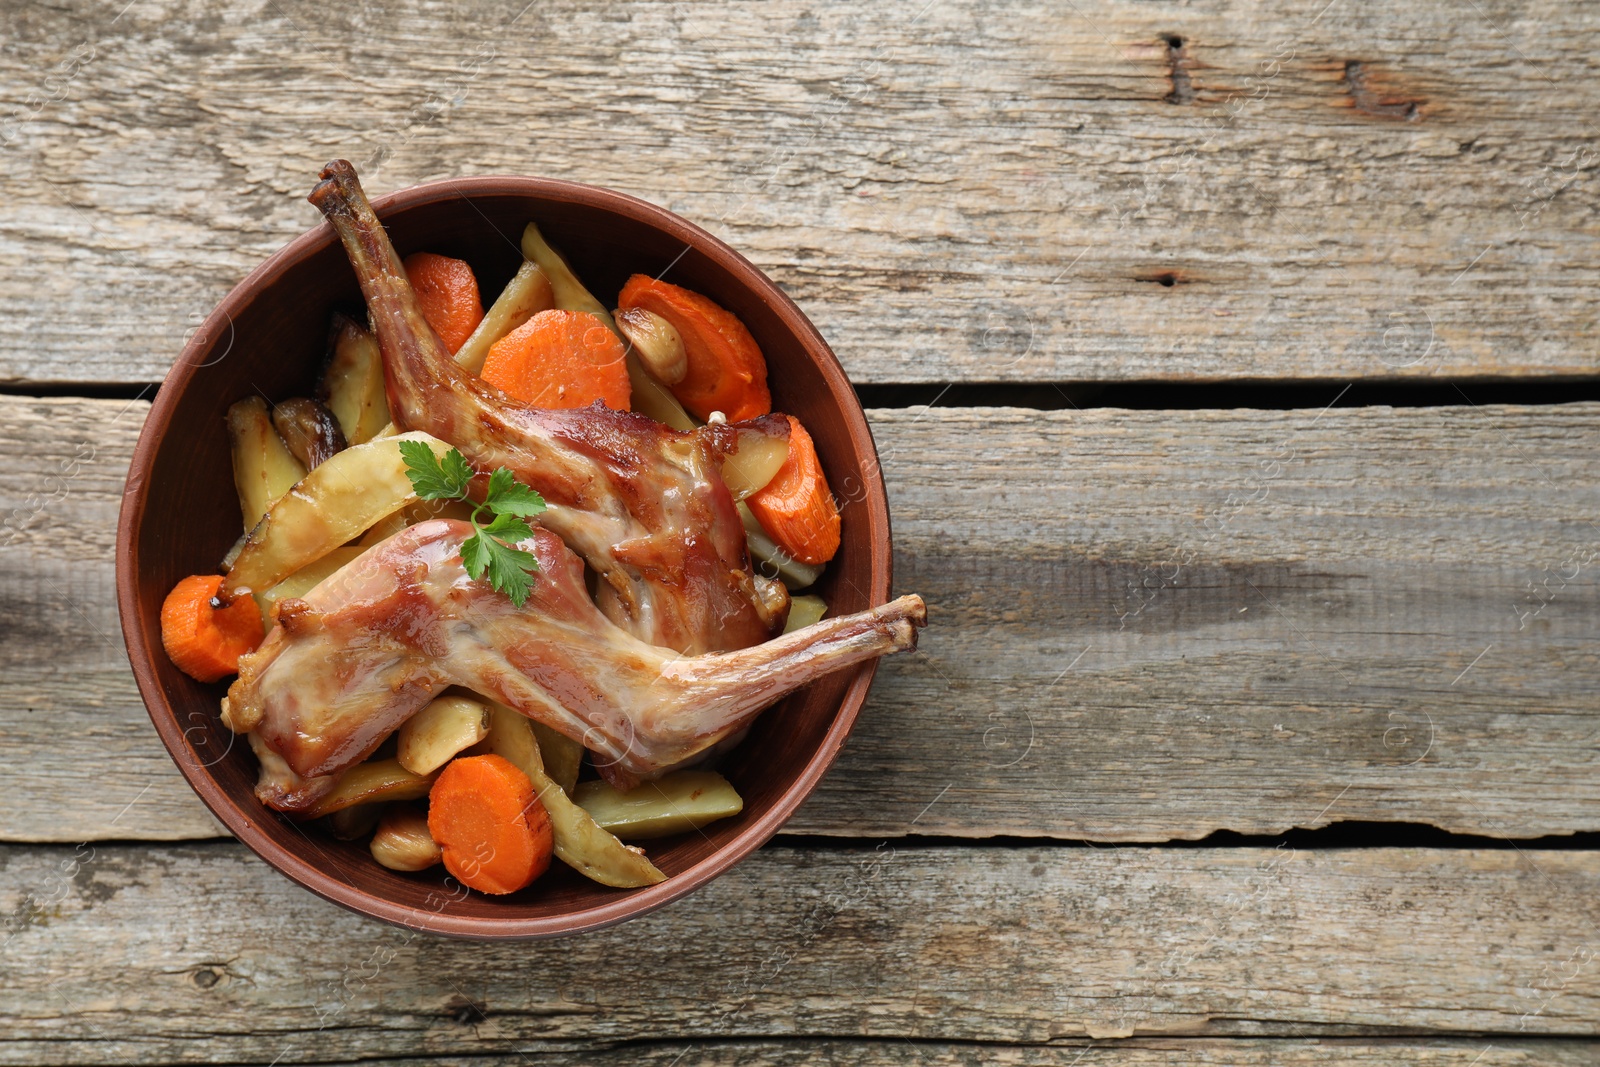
(727, 371)
(448, 292)
(561, 359)
(490, 825)
(206, 642)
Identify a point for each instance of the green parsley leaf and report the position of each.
(507, 496)
(512, 528)
(491, 550)
(507, 566)
(433, 478)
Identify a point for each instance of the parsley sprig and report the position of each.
(492, 549)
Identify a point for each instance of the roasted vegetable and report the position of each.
(774, 560)
(525, 295)
(304, 580)
(263, 467)
(331, 505)
(657, 341)
(352, 384)
(356, 821)
(803, 611)
(758, 458)
(494, 834)
(561, 755)
(205, 641)
(309, 430)
(673, 804)
(650, 397)
(402, 841)
(366, 783)
(433, 735)
(580, 843)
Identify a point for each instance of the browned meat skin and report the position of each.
(375, 642)
(644, 504)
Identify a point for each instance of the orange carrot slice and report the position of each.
(796, 508)
(206, 642)
(494, 832)
(727, 372)
(448, 292)
(561, 359)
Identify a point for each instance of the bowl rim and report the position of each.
(242, 823)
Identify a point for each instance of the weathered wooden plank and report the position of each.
(167, 953)
(1144, 626)
(955, 191)
(1130, 1052)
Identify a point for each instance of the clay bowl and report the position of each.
(268, 336)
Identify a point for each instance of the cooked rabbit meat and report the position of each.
(379, 639)
(644, 504)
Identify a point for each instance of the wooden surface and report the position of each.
(1146, 626)
(1030, 946)
(953, 190)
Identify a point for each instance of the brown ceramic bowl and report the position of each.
(180, 515)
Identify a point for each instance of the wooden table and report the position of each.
(1232, 365)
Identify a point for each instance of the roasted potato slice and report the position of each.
(309, 430)
(672, 804)
(803, 611)
(561, 755)
(303, 581)
(525, 295)
(263, 467)
(331, 505)
(580, 844)
(402, 841)
(369, 782)
(650, 397)
(755, 463)
(432, 737)
(352, 384)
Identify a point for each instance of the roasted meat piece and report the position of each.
(375, 642)
(643, 504)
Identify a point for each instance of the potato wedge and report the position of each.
(366, 783)
(795, 575)
(308, 429)
(562, 756)
(263, 468)
(432, 737)
(329, 506)
(402, 841)
(303, 581)
(754, 463)
(803, 611)
(580, 844)
(525, 295)
(673, 804)
(352, 384)
(650, 397)
(384, 529)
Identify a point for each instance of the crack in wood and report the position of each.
(1178, 64)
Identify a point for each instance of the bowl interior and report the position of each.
(269, 338)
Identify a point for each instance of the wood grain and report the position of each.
(1144, 626)
(162, 953)
(1131, 1052)
(955, 191)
